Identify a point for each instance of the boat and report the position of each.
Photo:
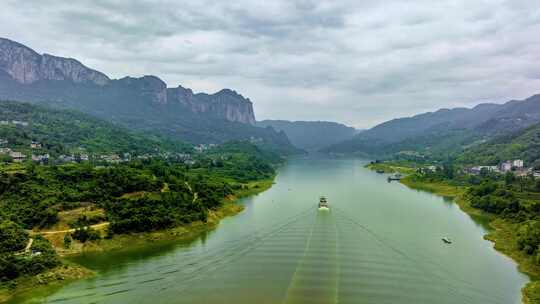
(447, 240)
(396, 176)
(380, 171)
(323, 203)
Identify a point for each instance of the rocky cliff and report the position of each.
(226, 104)
(26, 66)
(31, 70)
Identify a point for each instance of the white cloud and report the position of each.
(358, 62)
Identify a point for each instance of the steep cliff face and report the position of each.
(26, 66)
(143, 103)
(31, 70)
(227, 104)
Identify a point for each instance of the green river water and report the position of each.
(379, 243)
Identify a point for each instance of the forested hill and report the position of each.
(67, 132)
(523, 144)
(311, 135)
(145, 103)
(445, 130)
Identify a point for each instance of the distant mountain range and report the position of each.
(311, 135)
(143, 103)
(444, 131)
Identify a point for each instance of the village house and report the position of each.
(518, 163)
(506, 166)
(511, 164)
(35, 145)
(113, 158)
(84, 157)
(5, 150)
(4, 122)
(40, 158)
(3, 141)
(19, 123)
(17, 156)
(477, 169)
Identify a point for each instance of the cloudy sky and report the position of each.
(357, 62)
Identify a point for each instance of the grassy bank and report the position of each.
(389, 167)
(502, 233)
(55, 277)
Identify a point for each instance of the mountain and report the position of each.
(522, 144)
(70, 132)
(311, 135)
(444, 130)
(144, 104)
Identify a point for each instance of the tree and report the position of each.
(12, 237)
(509, 178)
(67, 240)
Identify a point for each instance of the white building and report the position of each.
(518, 163)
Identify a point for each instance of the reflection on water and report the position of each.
(379, 243)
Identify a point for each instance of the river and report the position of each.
(379, 243)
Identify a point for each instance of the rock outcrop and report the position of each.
(227, 104)
(26, 66)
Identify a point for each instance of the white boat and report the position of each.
(323, 204)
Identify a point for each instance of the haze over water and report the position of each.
(380, 243)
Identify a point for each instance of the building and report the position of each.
(506, 166)
(432, 168)
(17, 156)
(518, 163)
(477, 169)
(35, 145)
(20, 123)
(40, 158)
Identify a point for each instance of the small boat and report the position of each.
(323, 204)
(446, 240)
(380, 171)
(396, 176)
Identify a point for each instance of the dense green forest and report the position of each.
(141, 195)
(523, 144)
(67, 132)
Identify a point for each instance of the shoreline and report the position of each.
(69, 271)
(501, 233)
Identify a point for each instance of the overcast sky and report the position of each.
(356, 62)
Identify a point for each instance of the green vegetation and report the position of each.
(392, 167)
(70, 132)
(523, 144)
(51, 208)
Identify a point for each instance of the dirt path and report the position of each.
(69, 230)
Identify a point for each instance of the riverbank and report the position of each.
(69, 272)
(56, 277)
(502, 233)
